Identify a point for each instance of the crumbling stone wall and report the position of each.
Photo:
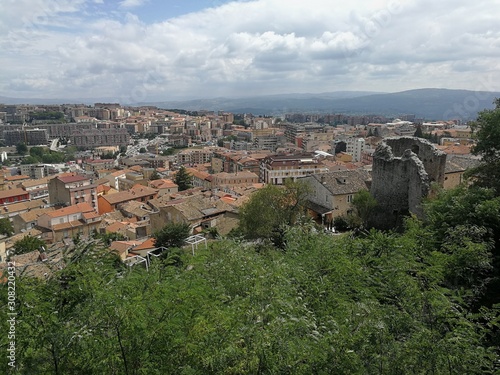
(403, 170)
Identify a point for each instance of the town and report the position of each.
(73, 171)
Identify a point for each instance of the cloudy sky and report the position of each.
(138, 50)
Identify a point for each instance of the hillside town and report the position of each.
(118, 167)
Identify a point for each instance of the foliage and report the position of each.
(271, 208)
(372, 305)
(26, 245)
(168, 151)
(487, 134)
(143, 150)
(183, 179)
(172, 235)
(109, 237)
(469, 218)
(340, 223)
(21, 148)
(49, 115)
(229, 138)
(43, 155)
(108, 155)
(364, 204)
(6, 227)
(155, 176)
(418, 132)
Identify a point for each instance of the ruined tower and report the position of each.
(403, 170)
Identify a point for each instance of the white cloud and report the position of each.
(132, 3)
(261, 46)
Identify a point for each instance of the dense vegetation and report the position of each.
(381, 303)
(38, 154)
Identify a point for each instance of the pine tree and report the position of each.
(418, 132)
(183, 179)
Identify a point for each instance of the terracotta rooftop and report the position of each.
(69, 179)
(12, 193)
(79, 207)
(17, 178)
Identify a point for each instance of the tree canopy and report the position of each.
(377, 304)
(183, 179)
(26, 245)
(272, 207)
(172, 235)
(487, 134)
(6, 227)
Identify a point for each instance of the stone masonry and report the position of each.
(403, 170)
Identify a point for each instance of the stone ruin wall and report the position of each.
(403, 170)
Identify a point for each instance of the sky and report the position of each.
(132, 51)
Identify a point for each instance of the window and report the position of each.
(349, 198)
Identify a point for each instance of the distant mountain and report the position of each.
(430, 104)
(33, 101)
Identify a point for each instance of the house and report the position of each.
(37, 189)
(28, 220)
(67, 222)
(139, 217)
(15, 209)
(199, 211)
(143, 248)
(455, 167)
(110, 202)
(15, 195)
(200, 178)
(122, 248)
(95, 165)
(71, 190)
(164, 186)
(331, 193)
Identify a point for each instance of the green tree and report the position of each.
(21, 148)
(6, 227)
(364, 204)
(109, 237)
(30, 160)
(172, 235)
(38, 152)
(143, 150)
(183, 179)
(26, 245)
(418, 132)
(487, 134)
(154, 176)
(271, 208)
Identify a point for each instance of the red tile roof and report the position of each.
(68, 179)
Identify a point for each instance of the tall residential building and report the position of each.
(355, 147)
(100, 137)
(70, 190)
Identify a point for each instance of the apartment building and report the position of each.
(277, 168)
(100, 137)
(71, 190)
(31, 137)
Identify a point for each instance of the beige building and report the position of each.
(455, 168)
(223, 179)
(78, 219)
(332, 193)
